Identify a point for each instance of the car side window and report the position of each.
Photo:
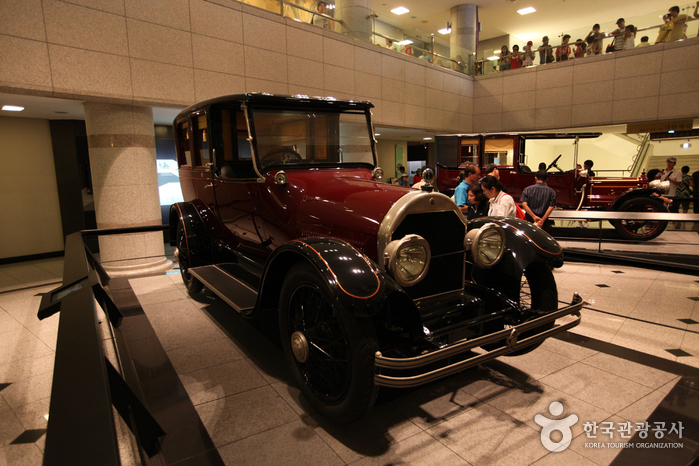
(235, 159)
(202, 153)
(469, 151)
(184, 150)
(499, 151)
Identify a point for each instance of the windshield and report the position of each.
(293, 137)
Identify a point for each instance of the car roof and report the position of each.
(259, 99)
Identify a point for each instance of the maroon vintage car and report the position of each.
(517, 157)
(373, 284)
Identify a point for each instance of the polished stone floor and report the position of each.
(639, 334)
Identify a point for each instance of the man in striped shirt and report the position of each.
(538, 201)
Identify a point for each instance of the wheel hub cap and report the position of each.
(299, 346)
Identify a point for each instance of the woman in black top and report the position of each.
(477, 202)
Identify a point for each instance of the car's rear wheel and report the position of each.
(331, 352)
(637, 229)
(537, 291)
(183, 257)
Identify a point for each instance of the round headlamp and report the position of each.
(486, 244)
(408, 259)
(377, 174)
(661, 186)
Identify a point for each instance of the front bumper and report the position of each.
(510, 335)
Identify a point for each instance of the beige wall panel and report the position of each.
(487, 105)
(338, 80)
(209, 84)
(367, 61)
(451, 121)
(170, 13)
(639, 87)
(392, 67)
(434, 78)
(466, 86)
(85, 28)
(339, 53)
(645, 109)
(415, 74)
(465, 123)
(24, 64)
(648, 61)
(213, 54)
(594, 69)
(554, 117)
(521, 120)
(554, 97)
(434, 118)
(264, 33)
(162, 82)
(516, 83)
(26, 142)
(487, 123)
(557, 75)
(452, 82)
(120, 119)
(415, 95)
(368, 84)
(376, 111)
(523, 100)
(153, 42)
(304, 44)
(310, 91)
(392, 113)
(451, 102)
(304, 72)
(261, 85)
(223, 22)
(415, 116)
(263, 64)
(679, 82)
(689, 109)
(386, 153)
(434, 99)
(22, 18)
(488, 86)
(392, 90)
(109, 6)
(679, 56)
(77, 71)
(591, 93)
(599, 113)
(466, 105)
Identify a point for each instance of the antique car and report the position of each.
(517, 157)
(374, 284)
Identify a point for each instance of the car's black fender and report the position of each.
(354, 280)
(198, 237)
(632, 194)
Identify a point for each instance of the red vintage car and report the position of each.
(373, 284)
(516, 156)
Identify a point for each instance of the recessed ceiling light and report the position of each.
(526, 11)
(405, 42)
(426, 139)
(444, 31)
(12, 108)
(400, 10)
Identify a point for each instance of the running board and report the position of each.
(235, 293)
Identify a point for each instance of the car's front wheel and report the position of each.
(331, 352)
(183, 256)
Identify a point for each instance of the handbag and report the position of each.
(610, 47)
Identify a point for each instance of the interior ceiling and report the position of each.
(500, 17)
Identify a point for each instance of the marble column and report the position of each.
(356, 18)
(121, 142)
(463, 39)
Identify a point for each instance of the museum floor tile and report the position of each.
(638, 337)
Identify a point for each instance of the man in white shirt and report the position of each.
(675, 179)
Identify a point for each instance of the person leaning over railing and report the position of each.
(678, 22)
(665, 29)
(528, 59)
(515, 58)
(594, 39)
(545, 52)
(504, 60)
(618, 42)
(563, 51)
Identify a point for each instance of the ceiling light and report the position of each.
(493, 58)
(405, 42)
(377, 134)
(445, 30)
(685, 145)
(12, 108)
(400, 10)
(672, 131)
(426, 139)
(526, 11)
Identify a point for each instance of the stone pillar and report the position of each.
(463, 40)
(356, 20)
(121, 142)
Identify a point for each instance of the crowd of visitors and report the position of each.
(624, 38)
